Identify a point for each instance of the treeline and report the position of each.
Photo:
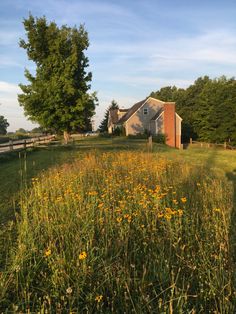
(208, 108)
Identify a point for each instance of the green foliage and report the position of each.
(21, 130)
(138, 136)
(159, 138)
(3, 125)
(103, 127)
(57, 96)
(208, 108)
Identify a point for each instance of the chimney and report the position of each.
(169, 123)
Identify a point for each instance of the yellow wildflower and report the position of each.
(99, 298)
(217, 210)
(47, 252)
(183, 199)
(119, 219)
(83, 255)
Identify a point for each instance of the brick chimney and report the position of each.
(169, 123)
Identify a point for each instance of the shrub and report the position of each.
(159, 138)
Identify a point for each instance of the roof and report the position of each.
(113, 115)
(131, 111)
(159, 112)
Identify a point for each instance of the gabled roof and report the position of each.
(159, 112)
(131, 111)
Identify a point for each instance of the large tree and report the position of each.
(3, 125)
(103, 127)
(57, 96)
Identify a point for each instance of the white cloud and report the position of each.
(10, 108)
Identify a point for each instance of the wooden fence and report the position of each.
(225, 145)
(23, 144)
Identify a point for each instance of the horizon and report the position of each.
(135, 47)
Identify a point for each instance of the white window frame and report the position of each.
(145, 111)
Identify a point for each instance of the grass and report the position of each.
(121, 229)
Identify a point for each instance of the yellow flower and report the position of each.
(119, 219)
(217, 210)
(47, 252)
(83, 255)
(180, 212)
(99, 298)
(183, 199)
(175, 202)
(159, 215)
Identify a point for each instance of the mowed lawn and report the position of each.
(112, 227)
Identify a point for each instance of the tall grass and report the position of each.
(123, 233)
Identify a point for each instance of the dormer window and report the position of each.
(145, 111)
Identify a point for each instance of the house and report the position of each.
(149, 115)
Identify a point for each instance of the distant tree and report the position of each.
(208, 108)
(57, 96)
(21, 130)
(3, 125)
(103, 127)
(37, 130)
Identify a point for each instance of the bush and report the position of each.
(159, 138)
(138, 136)
(4, 139)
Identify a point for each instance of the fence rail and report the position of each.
(22, 144)
(208, 145)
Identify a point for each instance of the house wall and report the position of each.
(160, 124)
(140, 122)
(178, 131)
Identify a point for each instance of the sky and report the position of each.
(136, 46)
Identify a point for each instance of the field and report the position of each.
(115, 228)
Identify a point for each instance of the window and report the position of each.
(145, 110)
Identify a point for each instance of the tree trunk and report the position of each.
(66, 137)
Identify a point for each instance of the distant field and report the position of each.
(113, 228)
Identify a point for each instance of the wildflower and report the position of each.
(119, 219)
(99, 298)
(183, 199)
(175, 202)
(168, 216)
(160, 215)
(83, 255)
(69, 290)
(17, 269)
(47, 252)
(217, 210)
(180, 212)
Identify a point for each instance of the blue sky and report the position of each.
(136, 46)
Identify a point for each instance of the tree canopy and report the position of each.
(103, 127)
(57, 96)
(208, 108)
(3, 125)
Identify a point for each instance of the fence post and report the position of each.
(24, 144)
(150, 143)
(225, 145)
(10, 144)
(191, 141)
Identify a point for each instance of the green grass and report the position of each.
(121, 229)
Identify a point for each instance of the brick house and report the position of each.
(152, 115)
